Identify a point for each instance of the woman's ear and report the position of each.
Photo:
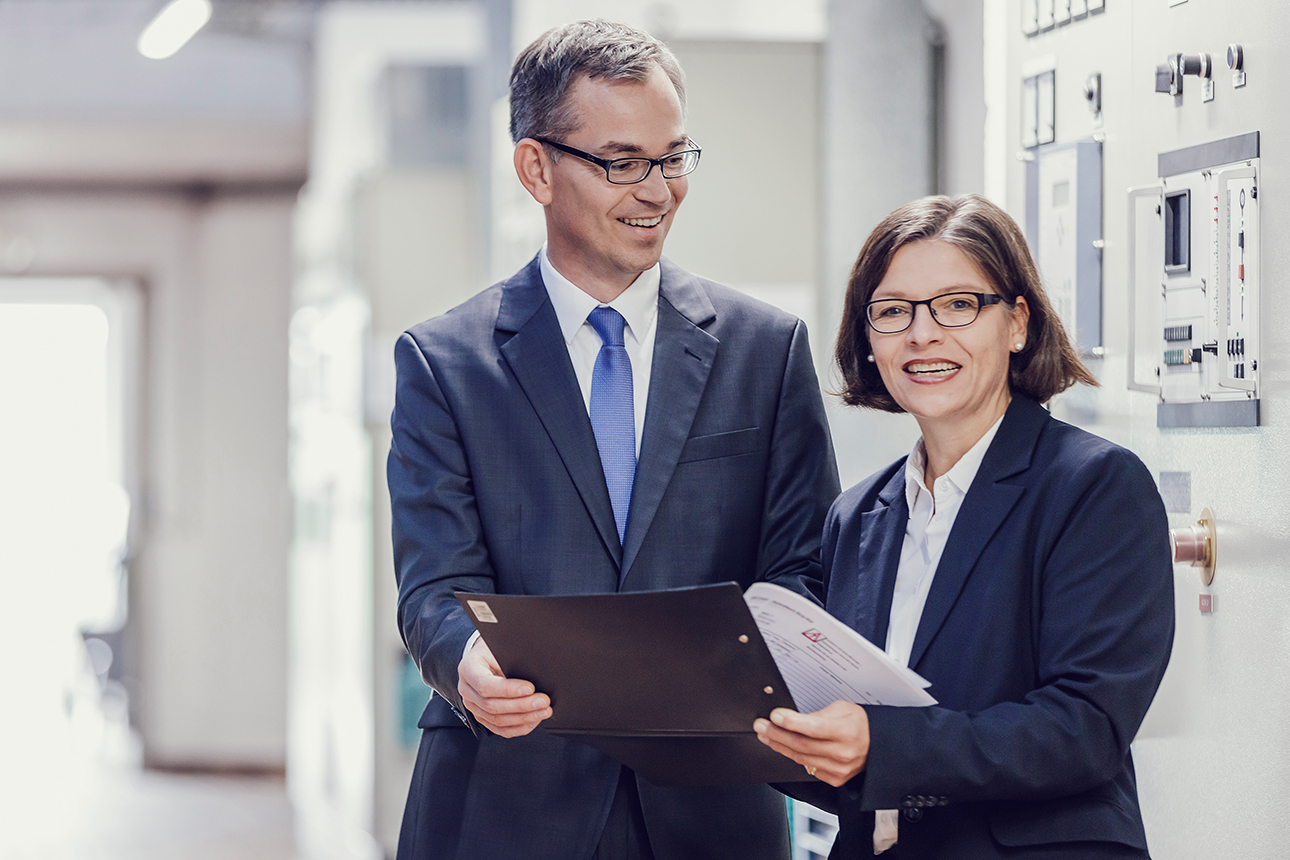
(533, 166)
(1019, 321)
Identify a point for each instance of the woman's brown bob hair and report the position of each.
(984, 232)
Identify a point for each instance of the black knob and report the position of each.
(1192, 64)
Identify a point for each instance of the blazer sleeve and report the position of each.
(801, 477)
(1102, 634)
(438, 537)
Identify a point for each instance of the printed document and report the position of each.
(823, 660)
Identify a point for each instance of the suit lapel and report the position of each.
(986, 506)
(538, 357)
(882, 534)
(683, 357)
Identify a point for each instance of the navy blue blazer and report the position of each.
(1045, 635)
(496, 486)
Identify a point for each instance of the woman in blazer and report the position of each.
(1019, 564)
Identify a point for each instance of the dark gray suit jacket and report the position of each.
(496, 486)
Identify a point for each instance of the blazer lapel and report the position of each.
(683, 356)
(882, 534)
(538, 357)
(986, 506)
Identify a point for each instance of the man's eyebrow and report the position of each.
(615, 146)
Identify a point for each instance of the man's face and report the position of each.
(601, 235)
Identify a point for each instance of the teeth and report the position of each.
(642, 222)
(935, 367)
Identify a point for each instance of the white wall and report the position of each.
(707, 20)
(962, 143)
(751, 218)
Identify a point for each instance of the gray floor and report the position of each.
(73, 790)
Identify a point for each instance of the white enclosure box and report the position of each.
(1064, 228)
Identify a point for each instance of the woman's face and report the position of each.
(946, 377)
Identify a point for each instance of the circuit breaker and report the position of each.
(1197, 293)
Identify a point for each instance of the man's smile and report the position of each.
(642, 222)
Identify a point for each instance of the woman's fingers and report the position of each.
(833, 741)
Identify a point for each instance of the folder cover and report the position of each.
(667, 682)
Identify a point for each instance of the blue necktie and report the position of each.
(613, 416)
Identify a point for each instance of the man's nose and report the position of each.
(654, 187)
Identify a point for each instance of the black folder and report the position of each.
(667, 682)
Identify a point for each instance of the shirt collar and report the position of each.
(961, 474)
(638, 303)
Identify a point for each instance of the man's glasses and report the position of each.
(629, 171)
(951, 310)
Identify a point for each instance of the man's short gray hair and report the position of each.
(546, 70)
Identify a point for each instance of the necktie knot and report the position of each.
(608, 323)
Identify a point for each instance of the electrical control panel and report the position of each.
(1197, 292)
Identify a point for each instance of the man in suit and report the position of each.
(601, 421)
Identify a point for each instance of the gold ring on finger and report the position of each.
(810, 770)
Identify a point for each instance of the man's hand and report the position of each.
(505, 706)
(832, 743)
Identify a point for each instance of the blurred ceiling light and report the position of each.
(173, 27)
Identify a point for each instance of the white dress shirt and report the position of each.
(639, 306)
(931, 516)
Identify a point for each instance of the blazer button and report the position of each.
(913, 815)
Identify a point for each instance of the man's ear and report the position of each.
(533, 166)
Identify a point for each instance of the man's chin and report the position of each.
(639, 262)
(647, 256)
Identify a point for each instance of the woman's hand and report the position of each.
(832, 743)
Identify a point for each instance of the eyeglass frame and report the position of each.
(984, 300)
(606, 163)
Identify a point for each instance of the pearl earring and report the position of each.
(871, 358)
(1020, 346)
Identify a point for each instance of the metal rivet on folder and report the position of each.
(743, 638)
(768, 690)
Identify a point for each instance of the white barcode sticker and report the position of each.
(482, 612)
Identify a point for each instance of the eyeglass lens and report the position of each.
(626, 171)
(950, 310)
